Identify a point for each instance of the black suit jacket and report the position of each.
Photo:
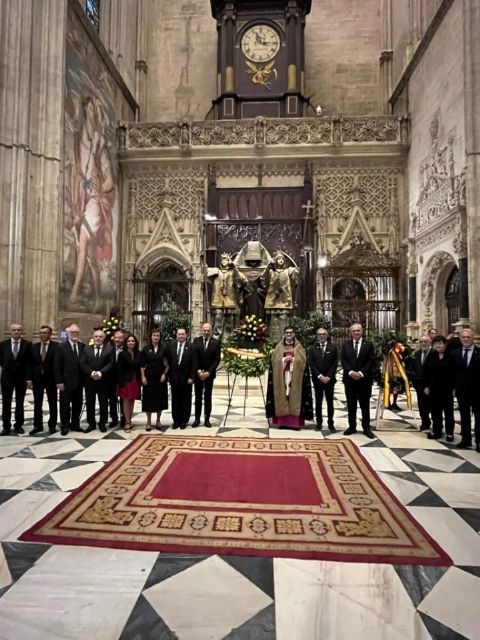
(365, 363)
(207, 359)
(418, 381)
(39, 369)
(15, 369)
(467, 379)
(326, 365)
(180, 373)
(66, 366)
(104, 363)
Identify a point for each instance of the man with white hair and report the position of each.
(466, 361)
(96, 362)
(69, 380)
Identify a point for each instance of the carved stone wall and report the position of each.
(436, 168)
(164, 222)
(374, 190)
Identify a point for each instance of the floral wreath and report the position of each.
(247, 351)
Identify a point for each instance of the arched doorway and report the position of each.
(452, 298)
(346, 306)
(164, 290)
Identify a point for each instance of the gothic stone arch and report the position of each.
(434, 280)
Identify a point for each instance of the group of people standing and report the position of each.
(106, 372)
(446, 367)
(289, 397)
(443, 367)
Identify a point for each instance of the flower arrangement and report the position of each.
(250, 330)
(247, 351)
(112, 324)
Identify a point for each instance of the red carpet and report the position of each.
(277, 498)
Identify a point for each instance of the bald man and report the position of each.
(208, 359)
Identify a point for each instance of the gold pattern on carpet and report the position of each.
(355, 516)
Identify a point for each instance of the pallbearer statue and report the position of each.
(280, 282)
(227, 286)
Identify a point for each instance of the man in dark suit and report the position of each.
(112, 381)
(69, 380)
(14, 362)
(96, 361)
(42, 379)
(323, 361)
(358, 362)
(422, 356)
(466, 362)
(182, 360)
(208, 359)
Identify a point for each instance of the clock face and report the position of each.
(260, 43)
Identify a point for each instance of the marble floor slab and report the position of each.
(404, 490)
(451, 532)
(24, 510)
(20, 473)
(206, 601)
(52, 448)
(409, 440)
(74, 593)
(382, 459)
(452, 600)
(438, 461)
(460, 490)
(69, 479)
(317, 600)
(101, 450)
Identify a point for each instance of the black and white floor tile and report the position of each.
(71, 593)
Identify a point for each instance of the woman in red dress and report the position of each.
(129, 377)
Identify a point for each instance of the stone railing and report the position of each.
(263, 132)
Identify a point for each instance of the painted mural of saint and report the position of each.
(94, 194)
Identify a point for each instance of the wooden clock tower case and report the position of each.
(260, 58)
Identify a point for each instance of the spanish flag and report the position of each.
(393, 368)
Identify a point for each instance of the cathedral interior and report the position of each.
(141, 140)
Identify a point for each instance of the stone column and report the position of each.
(471, 29)
(141, 66)
(31, 136)
(386, 55)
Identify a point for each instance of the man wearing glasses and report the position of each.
(323, 361)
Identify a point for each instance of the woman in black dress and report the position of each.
(438, 381)
(154, 379)
(129, 377)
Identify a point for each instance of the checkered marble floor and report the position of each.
(69, 593)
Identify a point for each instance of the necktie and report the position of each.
(43, 352)
(424, 355)
(205, 344)
(75, 349)
(15, 349)
(179, 352)
(322, 349)
(465, 356)
(356, 349)
(97, 355)
(117, 351)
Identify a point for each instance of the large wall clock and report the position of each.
(260, 43)
(261, 65)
